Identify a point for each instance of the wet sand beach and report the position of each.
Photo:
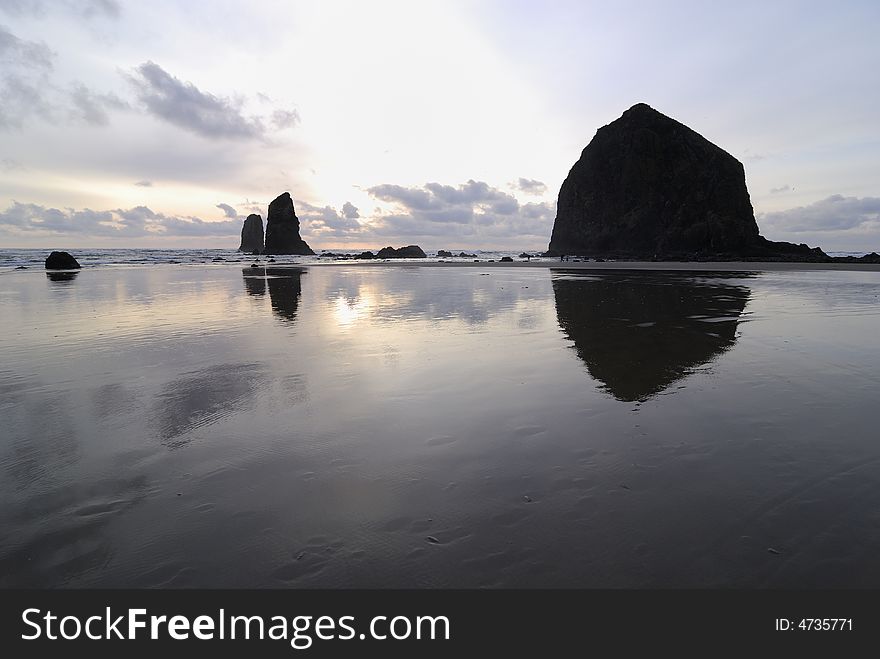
(544, 425)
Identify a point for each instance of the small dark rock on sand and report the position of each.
(61, 261)
(507, 259)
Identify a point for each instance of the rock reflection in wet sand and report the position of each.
(640, 333)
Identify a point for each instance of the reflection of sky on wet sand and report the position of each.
(281, 426)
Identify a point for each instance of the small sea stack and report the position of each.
(61, 261)
(282, 229)
(252, 235)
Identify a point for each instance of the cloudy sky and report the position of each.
(446, 124)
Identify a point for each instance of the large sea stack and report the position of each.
(282, 229)
(252, 235)
(648, 186)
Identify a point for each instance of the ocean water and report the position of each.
(10, 259)
(404, 426)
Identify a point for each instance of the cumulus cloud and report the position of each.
(184, 105)
(835, 213)
(472, 209)
(327, 221)
(531, 186)
(136, 222)
(350, 211)
(473, 214)
(228, 210)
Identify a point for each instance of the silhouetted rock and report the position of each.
(638, 333)
(365, 255)
(282, 229)
(252, 234)
(463, 255)
(873, 257)
(408, 252)
(649, 187)
(444, 254)
(507, 259)
(61, 261)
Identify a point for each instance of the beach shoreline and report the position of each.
(698, 266)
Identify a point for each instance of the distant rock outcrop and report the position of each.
(649, 187)
(61, 261)
(282, 229)
(252, 235)
(408, 252)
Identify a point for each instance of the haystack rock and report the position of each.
(252, 235)
(648, 186)
(61, 261)
(282, 229)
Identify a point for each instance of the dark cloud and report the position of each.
(186, 106)
(350, 211)
(92, 108)
(835, 213)
(784, 188)
(413, 198)
(228, 210)
(139, 221)
(531, 186)
(144, 183)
